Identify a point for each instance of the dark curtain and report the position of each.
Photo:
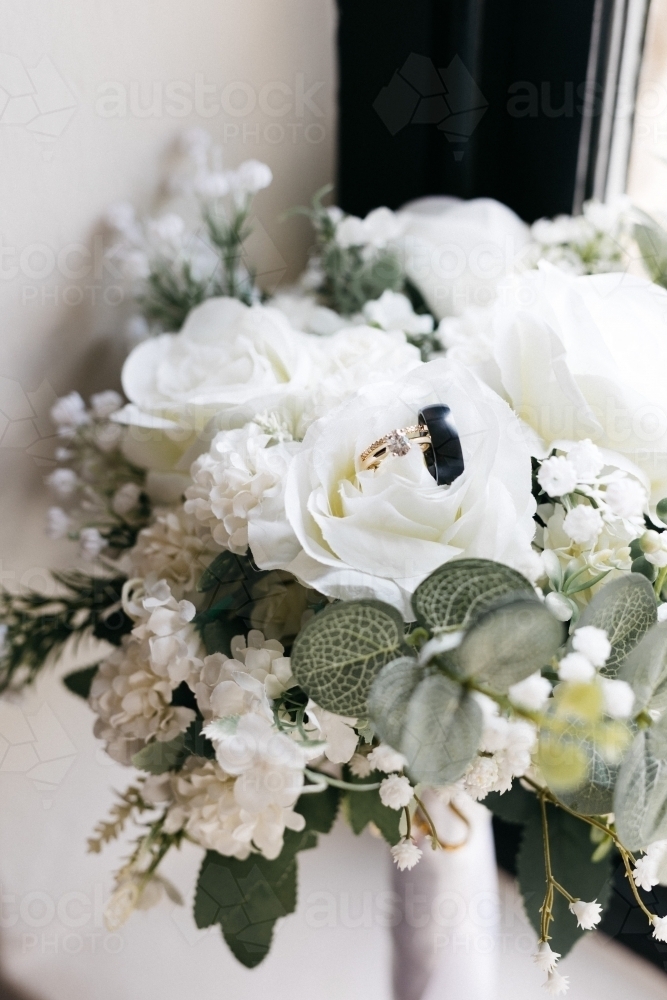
(464, 97)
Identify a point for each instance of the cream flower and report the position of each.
(406, 854)
(227, 355)
(378, 534)
(456, 252)
(173, 548)
(585, 359)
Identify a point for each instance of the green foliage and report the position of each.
(645, 669)
(460, 590)
(595, 797)
(362, 808)
(247, 897)
(389, 697)
(80, 681)
(640, 797)
(509, 641)
(441, 732)
(160, 756)
(572, 866)
(626, 609)
(196, 743)
(40, 625)
(340, 652)
(652, 242)
(319, 809)
(249, 598)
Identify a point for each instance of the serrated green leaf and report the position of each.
(442, 730)
(247, 897)
(362, 808)
(640, 798)
(225, 568)
(389, 697)
(515, 806)
(158, 757)
(319, 809)
(194, 741)
(80, 681)
(645, 669)
(572, 866)
(509, 641)
(455, 593)
(626, 609)
(340, 652)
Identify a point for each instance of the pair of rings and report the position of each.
(435, 433)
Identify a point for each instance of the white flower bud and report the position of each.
(383, 758)
(63, 481)
(593, 643)
(91, 543)
(545, 959)
(103, 404)
(69, 411)
(557, 476)
(396, 792)
(619, 698)
(559, 606)
(406, 854)
(583, 524)
(588, 914)
(587, 460)
(57, 523)
(576, 667)
(530, 694)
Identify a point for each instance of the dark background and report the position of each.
(522, 151)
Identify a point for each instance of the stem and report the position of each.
(435, 839)
(323, 780)
(659, 583)
(547, 905)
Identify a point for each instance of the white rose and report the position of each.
(379, 533)
(456, 252)
(586, 358)
(227, 355)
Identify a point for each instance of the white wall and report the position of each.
(66, 153)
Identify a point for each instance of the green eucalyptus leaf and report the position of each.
(455, 593)
(158, 757)
(626, 609)
(596, 796)
(645, 669)
(661, 508)
(339, 653)
(640, 798)
(389, 696)
(441, 732)
(509, 641)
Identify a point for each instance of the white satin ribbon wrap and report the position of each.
(446, 943)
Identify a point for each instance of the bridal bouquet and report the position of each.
(393, 537)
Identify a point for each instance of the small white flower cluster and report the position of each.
(95, 483)
(504, 752)
(378, 231)
(590, 651)
(651, 868)
(595, 511)
(131, 693)
(199, 171)
(594, 242)
(588, 916)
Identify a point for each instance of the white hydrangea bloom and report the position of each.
(206, 806)
(220, 684)
(336, 730)
(132, 690)
(241, 467)
(174, 547)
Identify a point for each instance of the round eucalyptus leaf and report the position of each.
(458, 591)
(626, 609)
(389, 697)
(645, 670)
(640, 797)
(509, 642)
(340, 652)
(441, 732)
(595, 796)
